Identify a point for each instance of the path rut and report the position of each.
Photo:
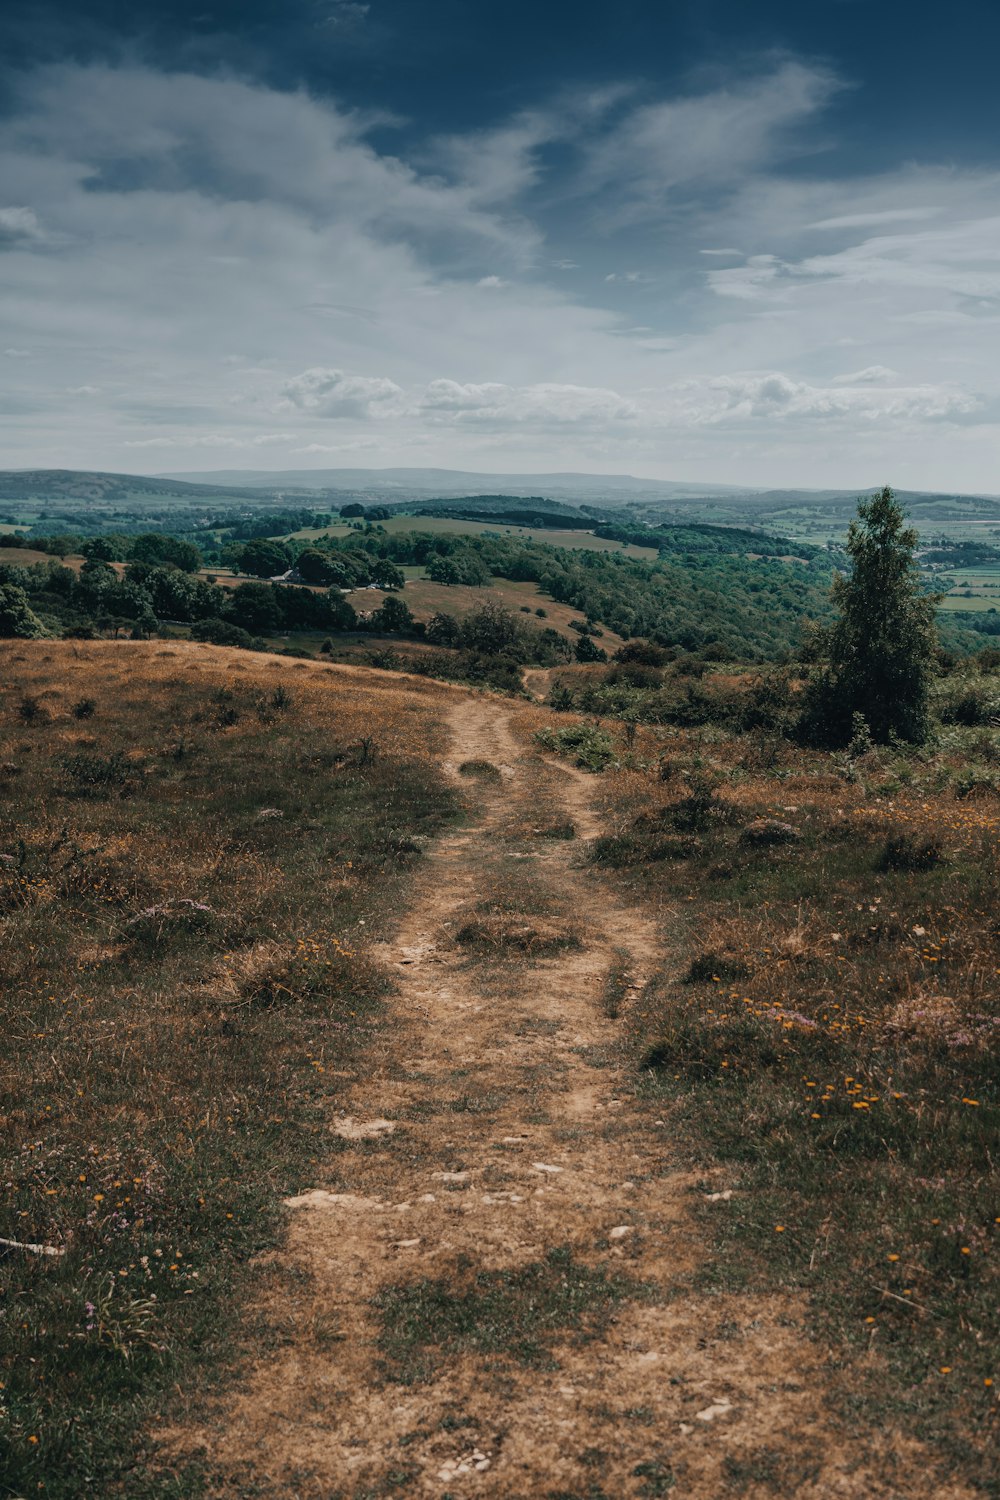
(498, 1123)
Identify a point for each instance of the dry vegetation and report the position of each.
(198, 848)
(827, 1031)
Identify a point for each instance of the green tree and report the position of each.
(387, 575)
(254, 607)
(157, 547)
(443, 630)
(494, 631)
(17, 618)
(315, 567)
(263, 558)
(876, 660)
(586, 650)
(393, 616)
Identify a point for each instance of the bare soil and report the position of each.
(498, 1122)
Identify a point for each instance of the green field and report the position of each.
(447, 526)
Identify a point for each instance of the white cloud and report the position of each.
(871, 220)
(772, 396)
(183, 440)
(358, 444)
(183, 217)
(870, 375)
(702, 141)
(543, 404)
(332, 393)
(19, 226)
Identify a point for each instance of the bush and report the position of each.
(589, 747)
(84, 708)
(17, 618)
(222, 633)
(904, 852)
(972, 704)
(99, 775)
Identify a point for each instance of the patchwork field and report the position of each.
(445, 525)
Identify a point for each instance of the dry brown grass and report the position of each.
(191, 881)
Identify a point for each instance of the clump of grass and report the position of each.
(31, 710)
(501, 931)
(480, 770)
(716, 968)
(587, 745)
(84, 708)
(557, 830)
(99, 775)
(518, 1315)
(904, 852)
(617, 983)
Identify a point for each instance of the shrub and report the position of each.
(589, 747)
(902, 851)
(99, 775)
(84, 708)
(17, 618)
(709, 967)
(31, 710)
(223, 633)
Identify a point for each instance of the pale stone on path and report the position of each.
(320, 1198)
(717, 1409)
(362, 1130)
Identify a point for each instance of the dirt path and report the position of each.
(499, 1299)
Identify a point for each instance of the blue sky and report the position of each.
(711, 241)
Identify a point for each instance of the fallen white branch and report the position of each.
(32, 1249)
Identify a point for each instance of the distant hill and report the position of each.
(85, 484)
(420, 483)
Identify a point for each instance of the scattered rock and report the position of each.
(719, 1197)
(763, 833)
(404, 1244)
(542, 1166)
(269, 812)
(450, 1176)
(474, 1462)
(717, 1409)
(619, 1232)
(320, 1198)
(362, 1130)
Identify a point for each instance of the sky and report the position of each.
(704, 240)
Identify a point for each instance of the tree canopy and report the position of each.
(877, 657)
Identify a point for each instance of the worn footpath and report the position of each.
(501, 1292)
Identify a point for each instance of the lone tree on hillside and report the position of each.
(877, 658)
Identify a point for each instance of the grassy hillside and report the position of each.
(822, 1039)
(197, 849)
